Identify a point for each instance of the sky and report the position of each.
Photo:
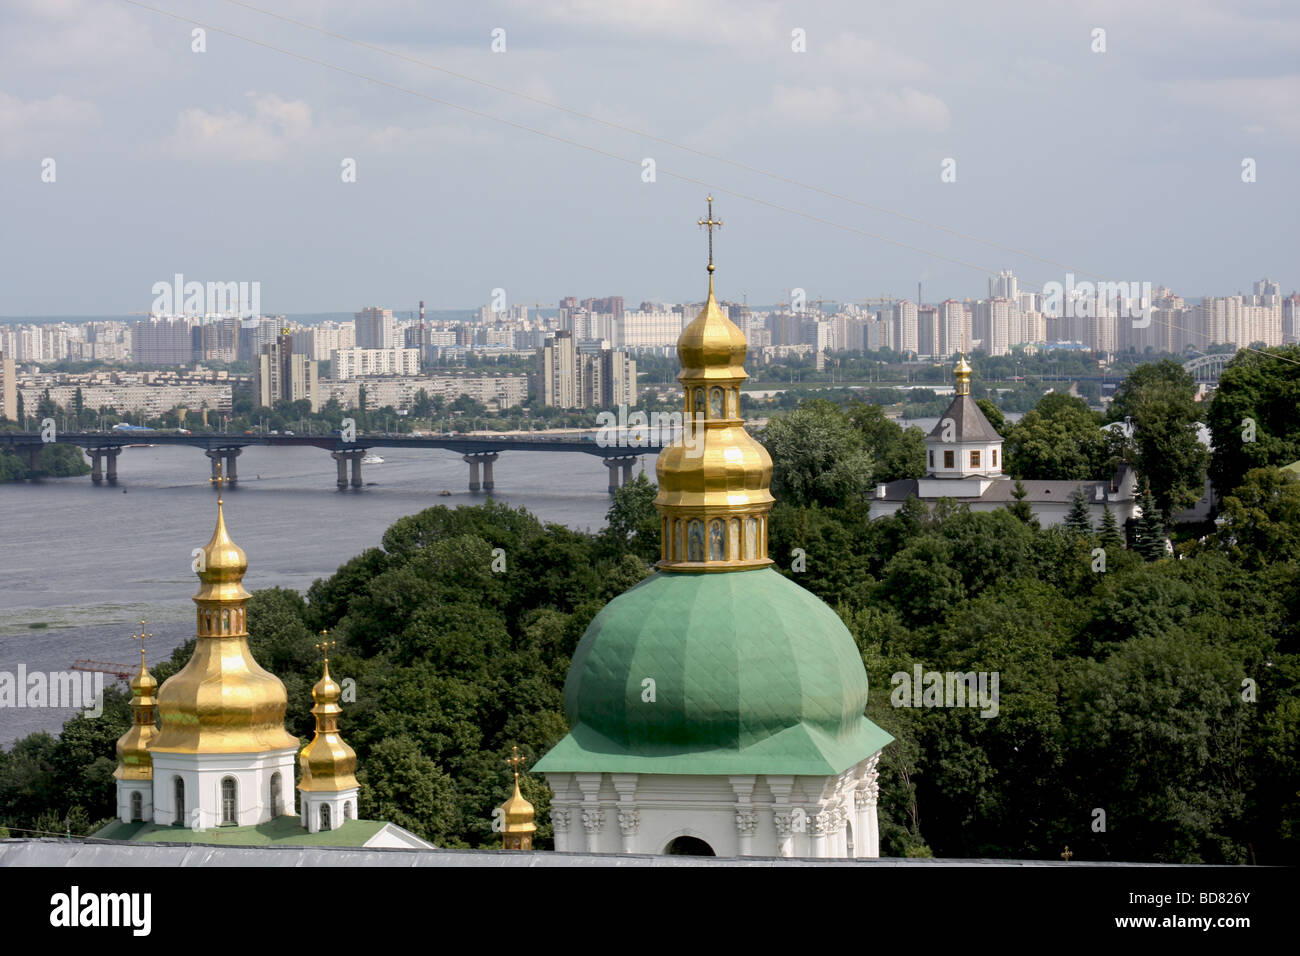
(823, 130)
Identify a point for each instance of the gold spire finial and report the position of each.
(713, 481)
(328, 763)
(518, 825)
(217, 480)
(711, 224)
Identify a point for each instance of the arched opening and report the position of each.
(137, 806)
(688, 846)
(178, 801)
(229, 815)
(324, 816)
(276, 809)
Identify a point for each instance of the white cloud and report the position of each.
(266, 132)
(42, 124)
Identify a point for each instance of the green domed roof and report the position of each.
(752, 674)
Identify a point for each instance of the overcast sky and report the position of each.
(227, 165)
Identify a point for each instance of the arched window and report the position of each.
(347, 810)
(733, 538)
(695, 541)
(275, 794)
(178, 801)
(715, 402)
(137, 806)
(225, 620)
(751, 537)
(324, 816)
(688, 846)
(680, 554)
(717, 550)
(699, 402)
(229, 813)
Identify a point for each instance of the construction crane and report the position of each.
(120, 671)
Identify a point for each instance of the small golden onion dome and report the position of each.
(519, 813)
(962, 374)
(712, 347)
(222, 566)
(328, 763)
(133, 760)
(222, 701)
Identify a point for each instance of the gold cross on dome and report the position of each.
(711, 224)
(515, 760)
(141, 637)
(1066, 855)
(324, 646)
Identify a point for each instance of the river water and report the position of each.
(81, 565)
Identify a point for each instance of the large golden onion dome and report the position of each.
(713, 481)
(328, 763)
(222, 701)
(133, 760)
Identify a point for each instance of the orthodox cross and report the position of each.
(141, 637)
(711, 224)
(515, 761)
(324, 646)
(1066, 855)
(217, 478)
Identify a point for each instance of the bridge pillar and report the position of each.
(627, 469)
(356, 467)
(214, 456)
(474, 484)
(33, 454)
(232, 473)
(488, 483)
(611, 465)
(96, 465)
(112, 454)
(341, 457)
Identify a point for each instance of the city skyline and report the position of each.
(233, 170)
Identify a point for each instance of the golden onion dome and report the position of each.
(133, 760)
(962, 374)
(714, 480)
(520, 815)
(222, 565)
(712, 347)
(222, 701)
(328, 763)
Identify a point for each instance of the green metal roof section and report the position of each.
(752, 674)
(282, 831)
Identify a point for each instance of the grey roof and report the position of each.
(60, 852)
(1002, 489)
(971, 423)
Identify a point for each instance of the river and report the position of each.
(82, 565)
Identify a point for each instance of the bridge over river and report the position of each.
(480, 452)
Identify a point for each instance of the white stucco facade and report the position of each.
(831, 817)
(259, 794)
(341, 806)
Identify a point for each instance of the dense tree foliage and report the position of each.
(1147, 706)
(1059, 439)
(1160, 400)
(1255, 416)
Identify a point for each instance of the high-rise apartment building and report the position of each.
(359, 362)
(557, 371)
(8, 389)
(280, 373)
(374, 328)
(162, 342)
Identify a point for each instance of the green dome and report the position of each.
(752, 674)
